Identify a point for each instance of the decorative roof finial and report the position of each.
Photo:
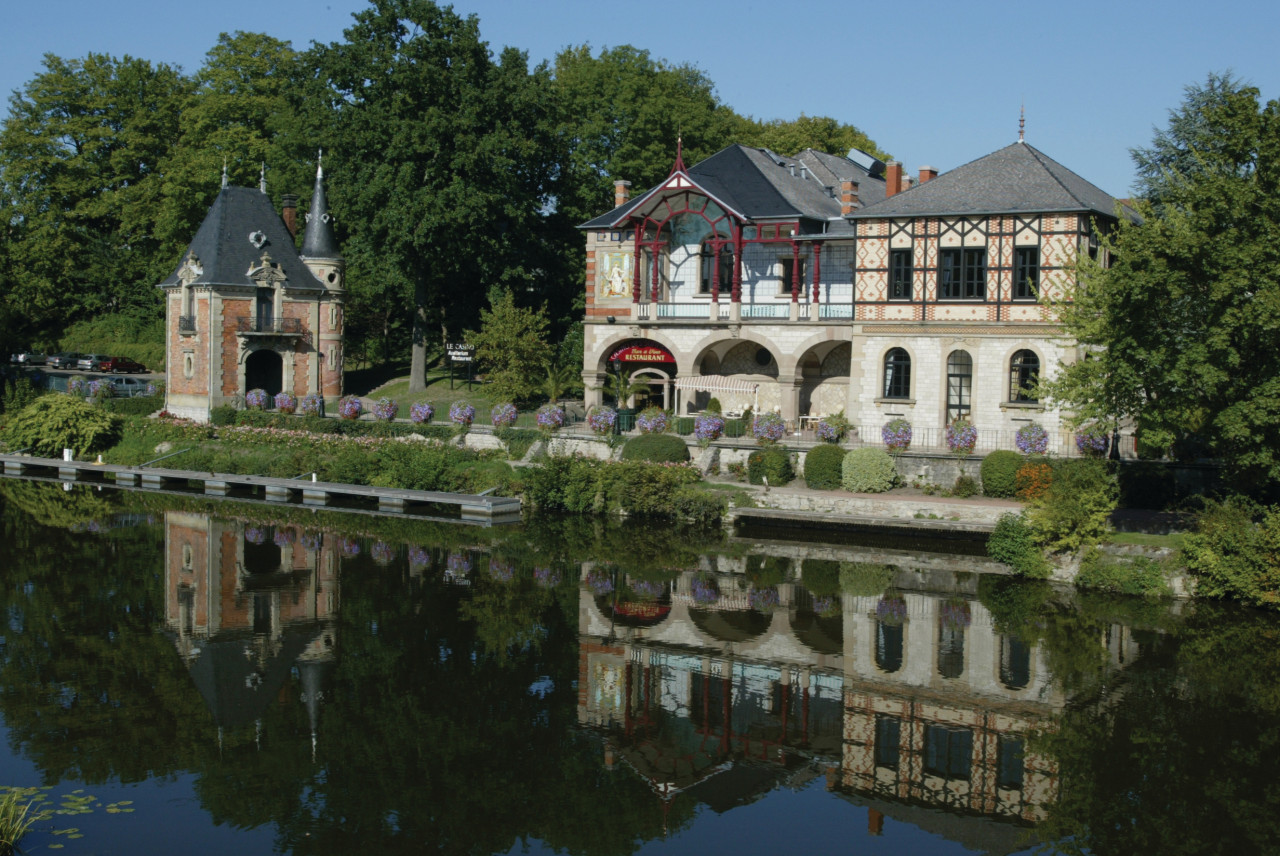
(319, 163)
(224, 170)
(262, 178)
(1022, 122)
(679, 164)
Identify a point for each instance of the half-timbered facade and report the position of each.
(245, 310)
(817, 284)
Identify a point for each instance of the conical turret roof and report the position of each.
(318, 242)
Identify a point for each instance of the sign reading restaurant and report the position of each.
(459, 353)
(643, 354)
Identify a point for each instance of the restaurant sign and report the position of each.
(643, 354)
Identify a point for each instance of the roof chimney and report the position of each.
(927, 173)
(848, 197)
(289, 212)
(892, 178)
(621, 193)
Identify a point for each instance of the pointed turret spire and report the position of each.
(224, 172)
(262, 178)
(318, 242)
(1022, 123)
(679, 164)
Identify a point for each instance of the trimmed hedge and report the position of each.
(1000, 474)
(868, 470)
(658, 448)
(139, 405)
(773, 463)
(822, 466)
(636, 487)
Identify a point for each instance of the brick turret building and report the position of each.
(245, 310)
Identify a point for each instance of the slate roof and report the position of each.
(226, 251)
(1016, 179)
(318, 242)
(761, 185)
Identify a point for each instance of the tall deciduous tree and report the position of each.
(79, 164)
(511, 345)
(790, 137)
(1181, 330)
(443, 161)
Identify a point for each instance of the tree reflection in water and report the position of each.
(411, 697)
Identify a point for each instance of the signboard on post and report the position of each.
(460, 354)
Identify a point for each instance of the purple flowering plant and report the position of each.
(255, 399)
(648, 589)
(384, 409)
(832, 429)
(891, 609)
(310, 405)
(152, 389)
(76, 386)
(100, 389)
(961, 436)
(768, 428)
(1032, 440)
(600, 581)
(419, 559)
(896, 435)
(955, 614)
(458, 564)
(285, 402)
(421, 413)
(503, 572)
(546, 577)
(1092, 441)
(550, 417)
(311, 540)
(652, 420)
(382, 552)
(283, 537)
(705, 592)
(707, 428)
(255, 535)
(462, 414)
(350, 548)
(350, 407)
(763, 599)
(601, 419)
(504, 415)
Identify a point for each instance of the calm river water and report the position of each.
(185, 676)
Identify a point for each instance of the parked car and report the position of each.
(123, 365)
(90, 362)
(31, 358)
(64, 361)
(128, 387)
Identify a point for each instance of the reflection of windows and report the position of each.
(888, 735)
(1015, 662)
(897, 374)
(1009, 753)
(888, 647)
(1026, 273)
(962, 274)
(790, 275)
(948, 752)
(900, 274)
(950, 650)
(1024, 373)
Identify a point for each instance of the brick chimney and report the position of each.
(892, 178)
(621, 193)
(848, 197)
(927, 173)
(289, 213)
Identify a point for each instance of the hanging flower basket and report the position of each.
(255, 535)
(458, 564)
(763, 599)
(550, 418)
(891, 609)
(419, 559)
(382, 553)
(283, 537)
(652, 420)
(962, 437)
(705, 592)
(707, 428)
(285, 402)
(421, 413)
(256, 399)
(601, 420)
(955, 614)
(768, 428)
(385, 409)
(350, 548)
(350, 407)
(1092, 442)
(504, 415)
(310, 405)
(1032, 440)
(311, 540)
(462, 413)
(599, 581)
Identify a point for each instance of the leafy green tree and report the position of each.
(511, 346)
(80, 156)
(444, 161)
(790, 137)
(1180, 330)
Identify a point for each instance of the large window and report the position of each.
(1024, 373)
(725, 271)
(788, 272)
(1009, 762)
(1026, 273)
(900, 274)
(959, 385)
(897, 374)
(962, 274)
(948, 752)
(888, 738)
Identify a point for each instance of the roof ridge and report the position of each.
(1041, 157)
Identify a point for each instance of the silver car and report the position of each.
(30, 358)
(90, 362)
(128, 387)
(64, 361)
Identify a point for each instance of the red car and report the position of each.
(120, 364)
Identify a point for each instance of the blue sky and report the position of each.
(932, 83)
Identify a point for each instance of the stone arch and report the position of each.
(822, 375)
(264, 368)
(609, 345)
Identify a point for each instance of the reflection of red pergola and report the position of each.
(716, 384)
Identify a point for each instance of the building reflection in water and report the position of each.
(246, 606)
(909, 701)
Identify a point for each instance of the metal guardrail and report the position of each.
(170, 455)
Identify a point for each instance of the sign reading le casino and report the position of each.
(643, 354)
(459, 353)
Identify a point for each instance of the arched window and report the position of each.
(1024, 372)
(897, 374)
(959, 384)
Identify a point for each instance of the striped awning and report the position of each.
(717, 383)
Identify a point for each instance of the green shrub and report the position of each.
(965, 487)
(773, 463)
(224, 415)
(822, 466)
(821, 577)
(868, 470)
(18, 392)
(684, 425)
(586, 485)
(864, 579)
(690, 502)
(1073, 511)
(1012, 543)
(1116, 575)
(517, 440)
(139, 405)
(766, 571)
(55, 422)
(1235, 551)
(999, 474)
(713, 406)
(659, 448)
